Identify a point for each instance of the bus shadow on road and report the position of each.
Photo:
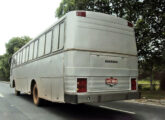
(81, 111)
(85, 112)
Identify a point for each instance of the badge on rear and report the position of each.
(111, 81)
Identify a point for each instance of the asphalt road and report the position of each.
(22, 108)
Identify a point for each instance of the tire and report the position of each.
(37, 101)
(17, 93)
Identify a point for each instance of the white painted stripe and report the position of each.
(117, 109)
(1, 95)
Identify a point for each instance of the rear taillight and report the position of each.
(133, 84)
(81, 85)
(82, 14)
(130, 24)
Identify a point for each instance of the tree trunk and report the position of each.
(151, 79)
(162, 81)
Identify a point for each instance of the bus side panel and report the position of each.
(48, 74)
(20, 78)
(58, 83)
(50, 81)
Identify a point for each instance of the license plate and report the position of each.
(111, 81)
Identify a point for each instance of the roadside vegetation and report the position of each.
(145, 85)
(12, 46)
(146, 93)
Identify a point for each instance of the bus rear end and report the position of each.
(101, 61)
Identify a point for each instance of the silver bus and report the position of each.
(84, 57)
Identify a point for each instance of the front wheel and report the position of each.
(37, 101)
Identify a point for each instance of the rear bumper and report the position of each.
(100, 97)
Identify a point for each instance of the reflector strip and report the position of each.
(130, 24)
(82, 14)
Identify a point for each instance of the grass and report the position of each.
(144, 88)
(153, 94)
(145, 84)
(148, 82)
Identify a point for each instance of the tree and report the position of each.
(4, 68)
(12, 46)
(70, 5)
(16, 43)
(150, 36)
(120, 8)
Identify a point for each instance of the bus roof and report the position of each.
(89, 14)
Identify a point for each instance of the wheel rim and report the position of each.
(35, 94)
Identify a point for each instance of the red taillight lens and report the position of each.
(133, 84)
(130, 24)
(82, 14)
(81, 85)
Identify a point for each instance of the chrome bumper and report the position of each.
(100, 97)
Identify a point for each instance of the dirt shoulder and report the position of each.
(156, 102)
(150, 98)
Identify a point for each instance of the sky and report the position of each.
(25, 17)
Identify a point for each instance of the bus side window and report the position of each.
(27, 53)
(61, 37)
(41, 45)
(15, 60)
(55, 38)
(48, 42)
(23, 58)
(35, 48)
(31, 51)
(18, 58)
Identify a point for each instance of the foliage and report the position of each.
(119, 8)
(12, 46)
(4, 66)
(16, 43)
(150, 37)
(145, 85)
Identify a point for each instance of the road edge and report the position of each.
(159, 103)
(5, 82)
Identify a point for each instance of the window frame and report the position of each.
(15, 60)
(32, 43)
(20, 57)
(37, 40)
(23, 55)
(55, 27)
(51, 41)
(62, 22)
(58, 24)
(39, 44)
(27, 53)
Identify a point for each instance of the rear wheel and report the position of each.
(17, 93)
(37, 101)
